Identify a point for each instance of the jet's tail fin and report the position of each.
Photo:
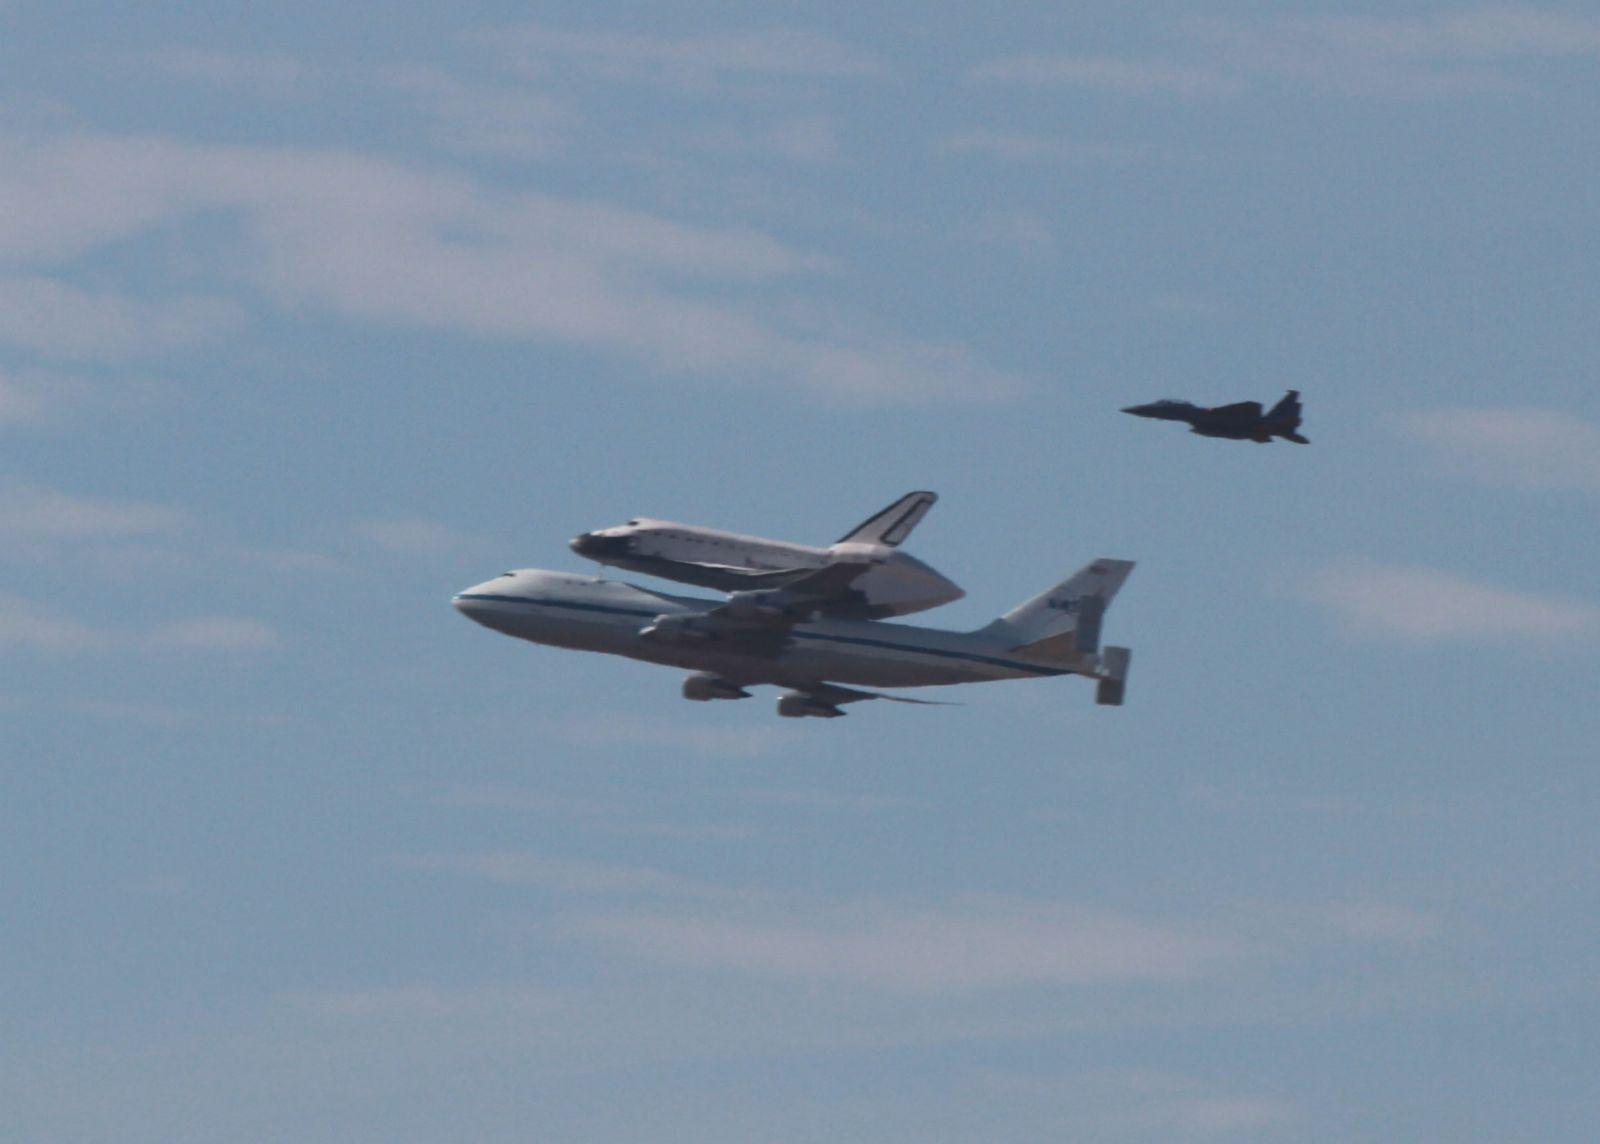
(890, 526)
(1283, 419)
(1063, 624)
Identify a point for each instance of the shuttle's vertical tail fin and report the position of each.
(890, 526)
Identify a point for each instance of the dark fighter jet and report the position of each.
(1243, 421)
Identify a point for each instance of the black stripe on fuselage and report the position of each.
(861, 641)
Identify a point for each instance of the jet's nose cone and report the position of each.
(477, 601)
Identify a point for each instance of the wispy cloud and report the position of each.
(1132, 1102)
(1019, 147)
(37, 397)
(805, 139)
(623, 729)
(415, 537)
(1421, 605)
(58, 320)
(485, 116)
(1410, 57)
(968, 944)
(1522, 448)
(1110, 74)
(376, 240)
(275, 74)
(213, 633)
(563, 875)
(832, 800)
(1381, 921)
(614, 818)
(35, 512)
(30, 625)
(695, 63)
(427, 1003)
(1440, 55)
(518, 800)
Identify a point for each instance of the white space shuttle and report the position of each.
(894, 584)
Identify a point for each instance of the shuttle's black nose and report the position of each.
(597, 547)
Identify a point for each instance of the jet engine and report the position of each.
(799, 705)
(702, 687)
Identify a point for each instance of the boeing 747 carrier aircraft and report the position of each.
(779, 636)
(732, 561)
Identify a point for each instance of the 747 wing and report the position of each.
(759, 622)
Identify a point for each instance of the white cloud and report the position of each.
(969, 944)
(696, 63)
(33, 512)
(55, 319)
(1109, 74)
(371, 239)
(1523, 448)
(1420, 605)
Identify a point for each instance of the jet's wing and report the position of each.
(890, 526)
(1243, 410)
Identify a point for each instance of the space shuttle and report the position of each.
(894, 584)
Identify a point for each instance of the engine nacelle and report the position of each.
(798, 705)
(703, 687)
(672, 630)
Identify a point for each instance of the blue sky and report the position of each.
(310, 317)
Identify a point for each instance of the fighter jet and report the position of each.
(1243, 421)
(779, 636)
(733, 562)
